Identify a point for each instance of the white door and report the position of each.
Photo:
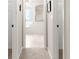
(17, 29)
(52, 29)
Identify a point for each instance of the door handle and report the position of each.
(20, 7)
(49, 6)
(57, 26)
(12, 25)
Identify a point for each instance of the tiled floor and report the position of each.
(34, 48)
(34, 41)
(26, 54)
(34, 53)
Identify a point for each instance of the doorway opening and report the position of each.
(34, 30)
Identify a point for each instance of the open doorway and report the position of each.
(34, 23)
(34, 30)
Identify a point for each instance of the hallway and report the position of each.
(36, 35)
(34, 53)
(34, 41)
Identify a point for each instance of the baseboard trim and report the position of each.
(9, 51)
(20, 52)
(49, 54)
(60, 53)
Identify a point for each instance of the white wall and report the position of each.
(55, 35)
(9, 24)
(52, 32)
(17, 29)
(60, 21)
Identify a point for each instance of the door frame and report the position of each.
(66, 52)
(16, 29)
(45, 32)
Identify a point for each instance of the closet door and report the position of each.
(17, 29)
